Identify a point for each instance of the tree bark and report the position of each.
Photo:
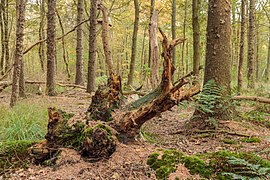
(154, 79)
(174, 29)
(105, 38)
(41, 33)
(92, 47)
(251, 45)
(242, 45)
(134, 43)
(20, 14)
(64, 51)
(79, 79)
(50, 85)
(6, 34)
(196, 36)
(2, 69)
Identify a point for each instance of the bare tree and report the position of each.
(92, 47)
(50, 85)
(134, 43)
(20, 14)
(79, 79)
(196, 35)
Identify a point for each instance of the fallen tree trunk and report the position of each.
(252, 98)
(107, 121)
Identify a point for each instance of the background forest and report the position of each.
(159, 89)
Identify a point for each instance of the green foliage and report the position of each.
(219, 165)
(14, 154)
(229, 141)
(167, 163)
(150, 137)
(257, 116)
(23, 122)
(102, 80)
(251, 140)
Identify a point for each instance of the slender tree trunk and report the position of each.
(41, 51)
(79, 79)
(6, 34)
(134, 43)
(184, 36)
(196, 36)
(257, 65)
(143, 55)
(2, 41)
(92, 47)
(105, 39)
(22, 81)
(51, 52)
(152, 8)
(173, 29)
(64, 51)
(267, 73)
(251, 45)
(242, 45)
(154, 50)
(20, 14)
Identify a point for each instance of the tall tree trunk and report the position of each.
(154, 50)
(79, 79)
(173, 29)
(152, 8)
(242, 45)
(196, 36)
(2, 60)
(6, 34)
(22, 81)
(267, 73)
(64, 51)
(184, 36)
(251, 45)
(51, 52)
(143, 58)
(92, 47)
(218, 54)
(257, 64)
(134, 43)
(20, 14)
(105, 39)
(41, 33)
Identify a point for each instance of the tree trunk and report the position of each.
(267, 73)
(6, 34)
(196, 36)
(242, 45)
(174, 29)
(251, 45)
(92, 48)
(152, 8)
(50, 85)
(2, 61)
(20, 14)
(217, 66)
(79, 79)
(134, 43)
(105, 38)
(64, 51)
(41, 33)
(22, 81)
(154, 50)
(184, 35)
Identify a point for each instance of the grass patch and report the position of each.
(229, 141)
(25, 121)
(259, 116)
(251, 140)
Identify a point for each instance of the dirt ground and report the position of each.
(129, 160)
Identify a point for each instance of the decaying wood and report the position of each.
(253, 98)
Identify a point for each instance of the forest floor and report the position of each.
(129, 160)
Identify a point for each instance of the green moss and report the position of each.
(219, 165)
(229, 141)
(14, 153)
(251, 140)
(168, 162)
